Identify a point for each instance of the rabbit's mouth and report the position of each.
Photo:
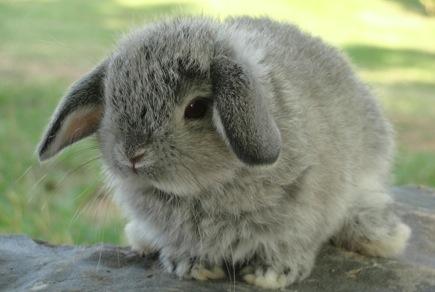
(135, 168)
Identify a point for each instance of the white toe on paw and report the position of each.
(188, 268)
(182, 269)
(201, 273)
(269, 279)
(179, 267)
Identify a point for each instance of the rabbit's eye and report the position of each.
(196, 109)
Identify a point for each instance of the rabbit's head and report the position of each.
(174, 106)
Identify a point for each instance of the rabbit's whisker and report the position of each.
(85, 164)
(23, 174)
(34, 186)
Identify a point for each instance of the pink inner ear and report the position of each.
(77, 125)
(80, 124)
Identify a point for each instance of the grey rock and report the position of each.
(30, 265)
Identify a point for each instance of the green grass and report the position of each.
(47, 44)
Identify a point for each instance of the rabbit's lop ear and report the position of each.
(77, 115)
(241, 114)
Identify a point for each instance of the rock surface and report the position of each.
(32, 266)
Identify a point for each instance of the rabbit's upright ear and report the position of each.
(241, 114)
(77, 115)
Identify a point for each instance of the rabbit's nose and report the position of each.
(137, 157)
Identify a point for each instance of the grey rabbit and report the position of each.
(244, 142)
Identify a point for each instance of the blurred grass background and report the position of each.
(47, 44)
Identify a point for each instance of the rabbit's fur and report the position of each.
(292, 152)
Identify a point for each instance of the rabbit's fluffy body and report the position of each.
(203, 195)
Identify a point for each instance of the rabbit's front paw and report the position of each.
(268, 277)
(190, 268)
(136, 233)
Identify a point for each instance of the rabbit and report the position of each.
(242, 142)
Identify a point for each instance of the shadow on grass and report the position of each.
(372, 57)
(426, 89)
(414, 6)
